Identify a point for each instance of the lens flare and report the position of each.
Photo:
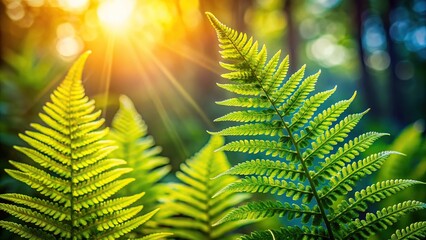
(115, 14)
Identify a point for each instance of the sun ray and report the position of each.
(169, 76)
(106, 70)
(195, 57)
(183, 152)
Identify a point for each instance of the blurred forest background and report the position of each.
(163, 54)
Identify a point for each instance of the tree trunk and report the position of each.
(396, 99)
(292, 36)
(366, 84)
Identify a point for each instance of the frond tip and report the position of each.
(72, 172)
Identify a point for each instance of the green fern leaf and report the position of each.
(269, 185)
(272, 148)
(72, 172)
(349, 209)
(310, 157)
(347, 153)
(342, 182)
(153, 236)
(26, 232)
(416, 231)
(129, 131)
(264, 209)
(323, 121)
(248, 116)
(325, 143)
(189, 210)
(272, 169)
(308, 109)
(252, 129)
(381, 220)
(288, 233)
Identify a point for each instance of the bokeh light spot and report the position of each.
(65, 30)
(404, 70)
(74, 5)
(190, 13)
(35, 3)
(69, 46)
(378, 60)
(420, 6)
(309, 28)
(327, 52)
(15, 10)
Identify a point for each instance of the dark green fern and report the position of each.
(72, 173)
(189, 210)
(309, 158)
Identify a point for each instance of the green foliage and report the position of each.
(189, 211)
(316, 165)
(410, 165)
(23, 76)
(129, 131)
(414, 155)
(72, 173)
(414, 231)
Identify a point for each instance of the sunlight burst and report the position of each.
(115, 14)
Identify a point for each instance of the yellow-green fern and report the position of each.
(129, 131)
(189, 211)
(305, 154)
(72, 173)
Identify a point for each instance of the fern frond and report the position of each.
(253, 129)
(323, 121)
(349, 209)
(301, 117)
(290, 86)
(249, 89)
(26, 232)
(272, 148)
(153, 236)
(297, 98)
(265, 209)
(269, 185)
(347, 153)
(71, 171)
(342, 182)
(416, 231)
(130, 133)
(126, 227)
(246, 102)
(109, 207)
(381, 220)
(52, 210)
(288, 233)
(283, 123)
(248, 116)
(45, 223)
(325, 143)
(189, 210)
(262, 167)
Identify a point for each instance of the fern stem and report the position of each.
(71, 176)
(311, 182)
(299, 155)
